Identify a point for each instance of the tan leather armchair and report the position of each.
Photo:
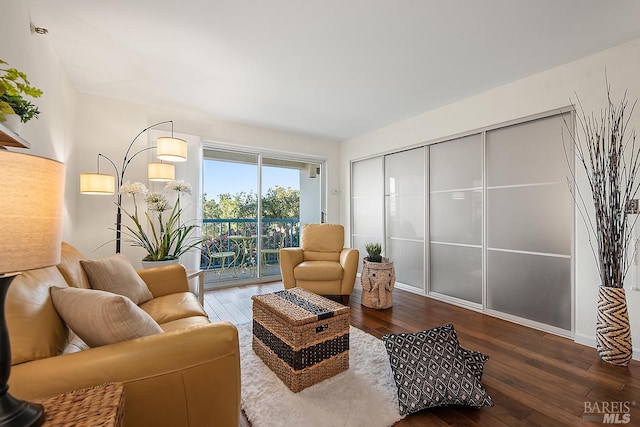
(321, 264)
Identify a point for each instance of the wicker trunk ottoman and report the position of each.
(302, 337)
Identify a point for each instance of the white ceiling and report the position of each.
(330, 68)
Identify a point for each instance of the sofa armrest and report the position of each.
(166, 280)
(349, 259)
(289, 258)
(173, 379)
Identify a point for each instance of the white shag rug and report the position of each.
(364, 395)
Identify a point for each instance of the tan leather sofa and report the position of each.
(321, 264)
(187, 376)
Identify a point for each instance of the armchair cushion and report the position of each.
(322, 238)
(116, 274)
(318, 270)
(100, 318)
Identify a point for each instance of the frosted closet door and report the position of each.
(405, 214)
(367, 201)
(455, 218)
(529, 225)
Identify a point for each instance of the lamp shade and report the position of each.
(97, 183)
(161, 172)
(31, 214)
(171, 149)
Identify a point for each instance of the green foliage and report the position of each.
(281, 202)
(278, 202)
(373, 249)
(13, 84)
(20, 106)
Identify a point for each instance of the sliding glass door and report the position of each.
(455, 218)
(290, 196)
(404, 177)
(367, 204)
(499, 219)
(253, 206)
(529, 222)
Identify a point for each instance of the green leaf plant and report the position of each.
(13, 85)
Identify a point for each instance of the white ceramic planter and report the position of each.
(13, 123)
(153, 264)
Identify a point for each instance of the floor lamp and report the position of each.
(167, 148)
(31, 228)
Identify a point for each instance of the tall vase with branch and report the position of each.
(610, 157)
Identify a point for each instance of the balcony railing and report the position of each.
(232, 242)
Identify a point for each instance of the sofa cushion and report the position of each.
(35, 329)
(173, 306)
(318, 270)
(71, 269)
(116, 274)
(101, 318)
(185, 323)
(431, 369)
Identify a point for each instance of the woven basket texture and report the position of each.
(378, 280)
(100, 406)
(613, 333)
(280, 306)
(302, 337)
(299, 380)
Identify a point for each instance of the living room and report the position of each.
(75, 126)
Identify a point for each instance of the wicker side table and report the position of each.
(101, 406)
(378, 280)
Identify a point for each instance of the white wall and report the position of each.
(74, 128)
(542, 92)
(51, 135)
(107, 126)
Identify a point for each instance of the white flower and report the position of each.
(133, 189)
(157, 202)
(178, 185)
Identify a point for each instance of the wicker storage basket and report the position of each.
(302, 337)
(101, 406)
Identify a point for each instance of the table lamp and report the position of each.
(31, 226)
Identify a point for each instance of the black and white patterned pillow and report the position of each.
(475, 359)
(431, 369)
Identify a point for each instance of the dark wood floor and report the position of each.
(534, 378)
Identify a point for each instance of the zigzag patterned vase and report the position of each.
(613, 334)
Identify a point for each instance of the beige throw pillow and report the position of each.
(116, 274)
(101, 318)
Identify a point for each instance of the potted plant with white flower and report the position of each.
(165, 237)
